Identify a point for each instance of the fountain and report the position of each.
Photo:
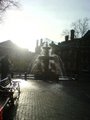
(47, 66)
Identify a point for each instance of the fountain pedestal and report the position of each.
(46, 65)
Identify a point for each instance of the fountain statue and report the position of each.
(47, 65)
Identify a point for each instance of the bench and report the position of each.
(9, 92)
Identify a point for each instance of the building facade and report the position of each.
(75, 54)
(20, 58)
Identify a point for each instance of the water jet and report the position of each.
(47, 66)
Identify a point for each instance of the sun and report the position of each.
(30, 45)
(23, 31)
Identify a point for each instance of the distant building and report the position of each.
(75, 54)
(20, 58)
(9, 48)
(38, 46)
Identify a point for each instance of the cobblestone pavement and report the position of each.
(40, 100)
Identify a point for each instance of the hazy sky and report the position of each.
(37, 19)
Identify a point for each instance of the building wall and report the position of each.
(75, 54)
(20, 58)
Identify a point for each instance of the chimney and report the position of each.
(37, 43)
(66, 38)
(41, 41)
(72, 34)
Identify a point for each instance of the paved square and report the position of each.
(40, 100)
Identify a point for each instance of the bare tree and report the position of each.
(65, 32)
(81, 26)
(6, 4)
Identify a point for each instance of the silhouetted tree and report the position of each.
(5, 67)
(6, 4)
(81, 26)
(65, 32)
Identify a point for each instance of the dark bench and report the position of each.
(9, 92)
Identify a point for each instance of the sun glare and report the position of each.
(30, 45)
(25, 29)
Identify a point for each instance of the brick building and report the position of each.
(75, 54)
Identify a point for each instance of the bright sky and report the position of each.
(37, 19)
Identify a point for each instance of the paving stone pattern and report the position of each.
(40, 100)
